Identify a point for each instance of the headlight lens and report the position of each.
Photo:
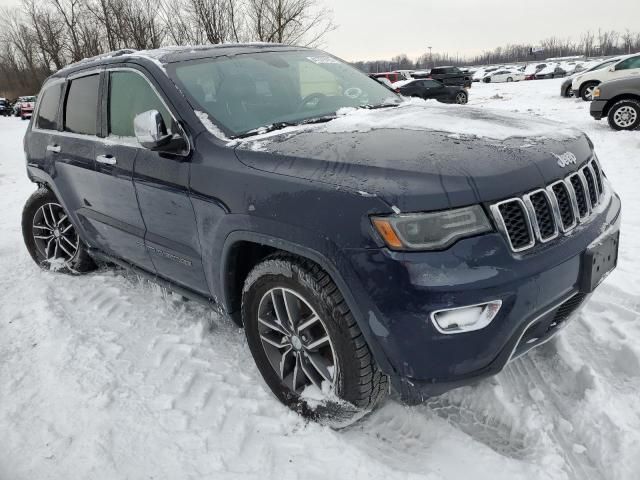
(431, 231)
(596, 92)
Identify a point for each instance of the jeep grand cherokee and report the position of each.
(362, 243)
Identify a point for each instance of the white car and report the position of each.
(584, 83)
(503, 76)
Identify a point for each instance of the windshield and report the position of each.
(249, 91)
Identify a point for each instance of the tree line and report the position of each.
(590, 44)
(42, 36)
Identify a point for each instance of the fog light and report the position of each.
(465, 319)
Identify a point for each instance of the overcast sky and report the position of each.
(376, 29)
(380, 29)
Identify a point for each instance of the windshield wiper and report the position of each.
(379, 106)
(280, 125)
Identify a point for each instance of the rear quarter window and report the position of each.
(81, 106)
(48, 109)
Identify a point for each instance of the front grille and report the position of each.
(591, 185)
(540, 215)
(598, 173)
(516, 223)
(565, 207)
(581, 196)
(544, 220)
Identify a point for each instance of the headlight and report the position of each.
(596, 92)
(431, 231)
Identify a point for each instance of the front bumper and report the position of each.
(539, 291)
(597, 109)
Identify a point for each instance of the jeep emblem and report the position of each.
(566, 159)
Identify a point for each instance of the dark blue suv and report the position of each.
(366, 243)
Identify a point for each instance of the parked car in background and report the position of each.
(5, 107)
(618, 101)
(500, 76)
(531, 70)
(481, 72)
(451, 76)
(26, 107)
(583, 85)
(552, 70)
(566, 89)
(23, 107)
(421, 74)
(393, 77)
(435, 89)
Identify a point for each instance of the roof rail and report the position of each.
(114, 53)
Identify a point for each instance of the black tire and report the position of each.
(79, 262)
(487, 80)
(619, 122)
(509, 79)
(585, 89)
(358, 383)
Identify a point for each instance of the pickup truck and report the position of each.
(451, 76)
(619, 101)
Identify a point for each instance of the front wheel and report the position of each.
(586, 91)
(461, 98)
(50, 237)
(306, 343)
(625, 115)
(509, 79)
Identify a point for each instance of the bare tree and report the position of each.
(289, 21)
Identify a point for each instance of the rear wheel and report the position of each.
(586, 91)
(509, 79)
(50, 237)
(625, 115)
(306, 343)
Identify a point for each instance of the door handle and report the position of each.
(53, 148)
(106, 159)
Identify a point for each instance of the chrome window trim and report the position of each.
(113, 139)
(36, 110)
(532, 214)
(497, 215)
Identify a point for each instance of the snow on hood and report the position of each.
(416, 114)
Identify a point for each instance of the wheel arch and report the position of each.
(618, 98)
(259, 246)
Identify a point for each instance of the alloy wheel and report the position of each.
(53, 233)
(461, 98)
(588, 92)
(295, 340)
(625, 117)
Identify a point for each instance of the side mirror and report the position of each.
(612, 69)
(150, 130)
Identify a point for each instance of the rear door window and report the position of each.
(48, 109)
(129, 95)
(81, 107)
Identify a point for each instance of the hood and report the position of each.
(418, 157)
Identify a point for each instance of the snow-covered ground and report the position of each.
(108, 377)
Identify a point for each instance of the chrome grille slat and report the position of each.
(541, 215)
